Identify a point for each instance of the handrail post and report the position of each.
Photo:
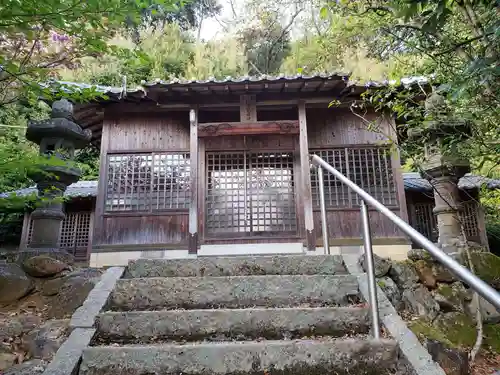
(370, 271)
(324, 226)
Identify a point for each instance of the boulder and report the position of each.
(63, 256)
(14, 283)
(451, 297)
(424, 272)
(419, 254)
(452, 361)
(17, 325)
(52, 286)
(43, 266)
(72, 292)
(419, 301)
(32, 367)
(458, 328)
(43, 342)
(489, 313)
(6, 360)
(403, 274)
(381, 265)
(442, 274)
(391, 290)
(487, 267)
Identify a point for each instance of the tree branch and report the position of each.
(463, 43)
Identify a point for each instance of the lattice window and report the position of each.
(368, 167)
(30, 231)
(423, 220)
(82, 230)
(148, 182)
(74, 233)
(67, 235)
(468, 216)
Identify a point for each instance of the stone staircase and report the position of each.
(235, 316)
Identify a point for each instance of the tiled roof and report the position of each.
(118, 93)
(281, 77)
(412, 182)
(78, 189)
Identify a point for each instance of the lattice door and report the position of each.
(250, 194)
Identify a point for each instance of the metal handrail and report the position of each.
(482, 288)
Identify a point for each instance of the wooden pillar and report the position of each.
(25, 231)
(193, 157)
(397, 169)
(98, 232)
(91, 233)
(305, 193)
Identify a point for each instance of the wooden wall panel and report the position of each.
(146, 230)
(339, 127)
(162, 132)
(347, 224)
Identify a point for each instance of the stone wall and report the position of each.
(438, 308)
(37, 298)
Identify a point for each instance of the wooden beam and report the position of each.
(193, 157)
(248, 108)
(305, 192)
(240, 128)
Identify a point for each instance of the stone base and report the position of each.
(55, 253)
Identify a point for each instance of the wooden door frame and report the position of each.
(202, 194)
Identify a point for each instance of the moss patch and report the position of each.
(446, 291)
(453, 329)
(487, 267)
(492, 336)
(425, 330)
(459, 332)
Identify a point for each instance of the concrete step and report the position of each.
(237, 266)
(227, 324)
(157, 293)
(292, 357)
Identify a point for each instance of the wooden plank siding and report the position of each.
(170, 131)
(144, 229)
(137, 133)
(339, 127)
(167, 131)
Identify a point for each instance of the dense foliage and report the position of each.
(123, 42)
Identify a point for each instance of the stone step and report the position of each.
(227, 324)
(157, 293)
(237, 266)
(291, 357)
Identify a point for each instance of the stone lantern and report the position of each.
(58, 137)
(443, 166)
